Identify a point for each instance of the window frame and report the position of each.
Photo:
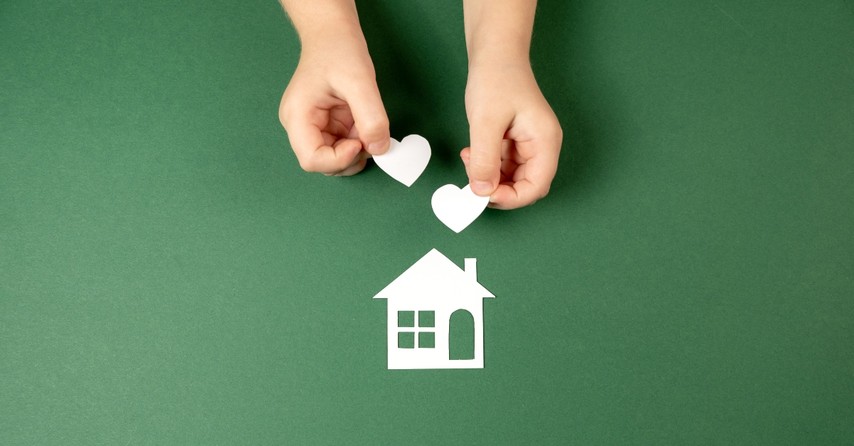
(416, 329)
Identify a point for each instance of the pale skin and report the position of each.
(335, 118)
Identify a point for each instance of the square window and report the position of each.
(406, 339)
(426, 339)
(426, 319)
(405, 318)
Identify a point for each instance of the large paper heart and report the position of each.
(457, 208)
(405, 160)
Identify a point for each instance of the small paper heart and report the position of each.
(457, 208)
(405, 160)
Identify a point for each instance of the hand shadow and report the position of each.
(565, 63)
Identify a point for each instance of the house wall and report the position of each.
(437, 357)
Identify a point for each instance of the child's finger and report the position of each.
(370, 119)
(484, 157)
(357, 166)
(534, 178)
(328, 159)
(313, 152)
(303, 134)
(336, 159)
(514, 195)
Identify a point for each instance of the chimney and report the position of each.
(471, 269)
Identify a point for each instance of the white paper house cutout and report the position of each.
(434, 285)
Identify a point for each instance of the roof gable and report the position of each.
(433, 276)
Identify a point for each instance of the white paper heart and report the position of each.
(457, 208)
(405, 160)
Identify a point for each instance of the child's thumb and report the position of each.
(370, 120)
(484, 166)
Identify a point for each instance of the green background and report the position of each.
(168, 275)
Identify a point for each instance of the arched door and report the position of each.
(461, 335)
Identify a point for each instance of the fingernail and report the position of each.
(482, 188)
(376, 147)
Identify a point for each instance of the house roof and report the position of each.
(434, 276)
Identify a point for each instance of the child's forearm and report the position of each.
(321, 21)
(498, 31)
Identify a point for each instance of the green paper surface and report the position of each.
(168, 275)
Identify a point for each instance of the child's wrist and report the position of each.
(494, 55)
(485, 63)
(334, 29)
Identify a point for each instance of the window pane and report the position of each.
(426, 319)
(426, 339)
(405, 318)
(406, 339)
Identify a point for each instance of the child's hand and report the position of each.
(515, 135)
(332, 109)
